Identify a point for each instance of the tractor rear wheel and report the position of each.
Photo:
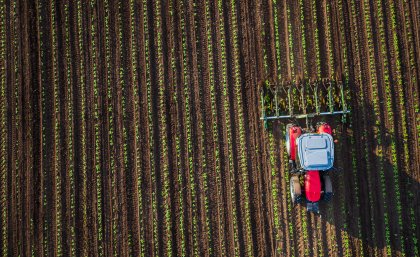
(287, 142)
(295, 190)
(328, 193)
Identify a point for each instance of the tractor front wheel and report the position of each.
(295, 190)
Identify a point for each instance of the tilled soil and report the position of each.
(133, 128)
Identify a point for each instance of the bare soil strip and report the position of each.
(65, 193)
(50, 119)
(171, 125)
(105, 156)
(222, 131)
(12, 229)
(246, 64)
(91, 183)
(270, 40)
(196, 132)
(395, 228)
(25, 177)
(133, 128)
(114, 29)
(130, 127)
(183, 134)
(285, 65)
(144, 141)
(209, 145)
(354, 84)
(157, 145)
(233, 114)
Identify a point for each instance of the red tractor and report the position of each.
(310, 151)
(311, 155)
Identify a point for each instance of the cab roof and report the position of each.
(316, 151)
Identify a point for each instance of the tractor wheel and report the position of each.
(287, 142)
(295, 190)
(328, 193)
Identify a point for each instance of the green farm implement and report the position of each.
(305, 100)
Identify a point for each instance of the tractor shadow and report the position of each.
(376, 204)
(375, 207)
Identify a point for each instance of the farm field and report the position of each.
(132, 128)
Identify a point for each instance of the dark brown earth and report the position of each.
(133, 128)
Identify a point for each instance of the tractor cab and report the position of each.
(315, 151)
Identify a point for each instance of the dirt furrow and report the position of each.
(395, 228)
(378, 235)
(339, 75)
(259, 135)
(79, 192)
(3, 131)
(415, 34)
(105, 156)
(248, 81)
(285, 243)
(270, 40)
(91, 183)
(222, 130)
(409, 87)
(17, 55)
(130, 127)
(266, 185)
(386, 160)
(295, 15)
(256, 44)
(408, 109)
(234, 123)
(264, 171)
(284, 52)
(3, 154)
(25, 178)
(310, 42)
(37, 141)
(364, 152)
(257, 72)
(12, 233)
(182, 130)
(323, 37)
(65, 194)
(157, 146)
(352, 63)
(336, 41)
(114, 29)
(50, 119)
(146, 176)
(209, 142)
(196, 133)
(171, 125)
(337, 208)
(262, 159)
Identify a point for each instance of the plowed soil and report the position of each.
(132, 128)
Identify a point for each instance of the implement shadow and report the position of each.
(375, 209)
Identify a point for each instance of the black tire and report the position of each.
(287, 141)
(295, 190)
(328, 192)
